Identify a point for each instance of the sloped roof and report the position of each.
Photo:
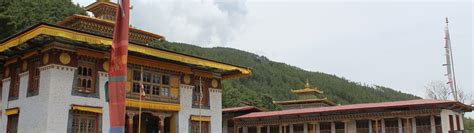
(237, 109)
(407, 103)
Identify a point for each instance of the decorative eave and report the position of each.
(305, 101)
(99, 4)
(425, 103)
(300, 91)
(105, 27)
(307, 89)
(230, 71)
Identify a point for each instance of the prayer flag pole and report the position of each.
(118, 68)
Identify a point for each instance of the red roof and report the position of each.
(243, 108)
(351, 107)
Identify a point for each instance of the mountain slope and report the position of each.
(272, 81)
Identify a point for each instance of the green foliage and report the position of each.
(272, 81)
(469, 124)
(17, 15)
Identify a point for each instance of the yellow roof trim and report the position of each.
(306, 91)
(87, 109)
(92, 39)
(201, 118)
(152, 105)
(12, 111)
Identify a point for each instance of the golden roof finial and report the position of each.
(307, 86)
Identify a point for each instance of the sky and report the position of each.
(393, 43)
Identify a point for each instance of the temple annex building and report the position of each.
(313, 113)
(54, 80)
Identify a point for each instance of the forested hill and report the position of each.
(272, 81)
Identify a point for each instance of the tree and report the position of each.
(441, 91)
(17, 15)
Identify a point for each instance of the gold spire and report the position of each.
(307, 86)
(307, 89)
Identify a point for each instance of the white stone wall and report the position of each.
(48, 112)
(33, 109)
(60, 98)
(215, 111)
(445, 120)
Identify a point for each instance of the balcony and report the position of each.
(154, 98)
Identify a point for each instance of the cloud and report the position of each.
(199, 22)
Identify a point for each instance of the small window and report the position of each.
(34, 76)
(12, 124)
(84, 122)
(196, 125)
(14, 82)
(86, 73)
(204, 102)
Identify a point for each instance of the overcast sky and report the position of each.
(398, 44)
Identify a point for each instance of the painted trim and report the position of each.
(87, 109)
(200, 118)
(152, 105)
(12, 111)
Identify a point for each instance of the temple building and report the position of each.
(311, 113)
(54, 80)
(308, 97)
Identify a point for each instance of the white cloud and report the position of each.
(205, 23)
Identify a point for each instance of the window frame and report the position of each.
(205, 103)
(195, 124)
(33, 76)
(81, 116)
(82, 77)
(14, 90)
(161, 90)
(10, 121)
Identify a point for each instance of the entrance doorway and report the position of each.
(149, 124)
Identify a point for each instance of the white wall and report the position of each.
(215, 111)
(445, 120)
(61, 99)
(48, 112)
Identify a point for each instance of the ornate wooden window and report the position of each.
(86, 77)
(12, 124)
(154, 83)
(84, 122)
(14, 82)
(197, 93)
(34, 76)
(195, 127)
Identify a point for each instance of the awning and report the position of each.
(87, 109)
(201, 118)
(12, 111)
(152, 105)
